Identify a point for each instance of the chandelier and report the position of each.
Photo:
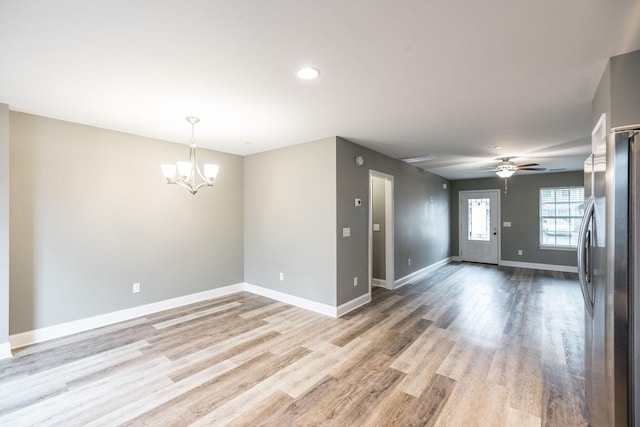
(184, 173)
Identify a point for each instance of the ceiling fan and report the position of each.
(506, 168)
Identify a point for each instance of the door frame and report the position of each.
(389, 255)
(498, 220)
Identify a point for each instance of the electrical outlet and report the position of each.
(519, 251)
(281, 276)
(355, 281)
(136, 288)
(409, 261)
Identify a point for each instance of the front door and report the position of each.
(479, 226)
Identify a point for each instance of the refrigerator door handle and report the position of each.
(582, 242)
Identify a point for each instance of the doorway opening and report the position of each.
(479, 215)
(381, 250)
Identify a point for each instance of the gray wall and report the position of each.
(299, 199)
(521, 207)
(290, 220)
(353, 251)
(421, 216)
(378, 267)
(4, 224)
(618, 93)
(91, 214)
(602, 99)
(625, 89)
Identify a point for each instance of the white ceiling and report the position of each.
(449, 78)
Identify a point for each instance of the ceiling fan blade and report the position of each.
(527, 165)
(531, 169)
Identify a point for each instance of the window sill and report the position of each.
(559, 248)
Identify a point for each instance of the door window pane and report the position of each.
(479, 219)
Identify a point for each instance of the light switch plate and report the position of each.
(346, 232)
(376, 227)
(506, 224)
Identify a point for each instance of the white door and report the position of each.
(479, 226)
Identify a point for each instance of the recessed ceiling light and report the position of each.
(308, 73)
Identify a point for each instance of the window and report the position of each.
(561, 211)
(479, 219)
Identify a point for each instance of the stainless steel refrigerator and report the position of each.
(608, 269)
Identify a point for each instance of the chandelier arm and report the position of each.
(202, 184)
(202, 177)
(186, 185)
(196, 166)
(194, 162)
(189, 182)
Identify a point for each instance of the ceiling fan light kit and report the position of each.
(505, 173)
(506, 168)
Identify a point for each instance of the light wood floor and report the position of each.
(469, 345)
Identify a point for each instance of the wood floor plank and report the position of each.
(257, 413)
(178, 375)
(135, 409)
(25, 391)
(286, 378)
(415, 316)
(416, 383)
(519, 369)
(522, 419)
(302, 378)
(392, 411)
(67, 407)
(429, 405)
(428, 348)
(467, 360)
(559, 405)
(197, 315)
(266, 310)
(369, 392)
(197, 402)
(475, 403)
(359, 329)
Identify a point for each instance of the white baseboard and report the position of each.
(5, 351)
(353, 304)
(379, 282)
(314, 306)
(536, 266)
(419, 274)
(317, 307)
(81, 325)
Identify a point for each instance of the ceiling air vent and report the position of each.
(425, 158)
